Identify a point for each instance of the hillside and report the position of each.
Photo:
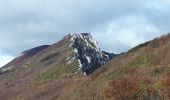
(42, 72)
(76, 69)
(142, 73)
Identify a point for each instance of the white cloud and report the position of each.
(4, 59)
(167, 2)
(126, 32)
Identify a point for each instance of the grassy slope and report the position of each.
(42, 78)
(141, 73)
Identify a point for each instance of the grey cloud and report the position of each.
(25, 24)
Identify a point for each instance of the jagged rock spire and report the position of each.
(86, 52)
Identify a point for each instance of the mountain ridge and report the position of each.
(81, 44)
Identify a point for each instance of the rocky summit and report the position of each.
(86, 52)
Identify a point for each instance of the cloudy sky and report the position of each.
(116, 24)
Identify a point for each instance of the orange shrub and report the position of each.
(124, 88)
(130, 88)
(41, 87)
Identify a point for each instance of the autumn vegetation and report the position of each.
(144, 78)
(142, 73)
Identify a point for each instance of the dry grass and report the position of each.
(141, 73)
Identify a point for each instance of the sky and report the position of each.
(117, 25)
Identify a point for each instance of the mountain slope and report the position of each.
(140, 74)
(42, 72)
(28, 77)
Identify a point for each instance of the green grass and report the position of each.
(160, 71)
(139, 61)
(130, 66)
(49, 57)
(117, 73)
(58, 72)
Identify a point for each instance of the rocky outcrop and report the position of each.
(86, 52)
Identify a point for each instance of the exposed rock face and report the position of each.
(111, 55)
(87, 52)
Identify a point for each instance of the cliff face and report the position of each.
(86, 52)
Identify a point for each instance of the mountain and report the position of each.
(75, 55)
(84, 48)
(76, 69)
